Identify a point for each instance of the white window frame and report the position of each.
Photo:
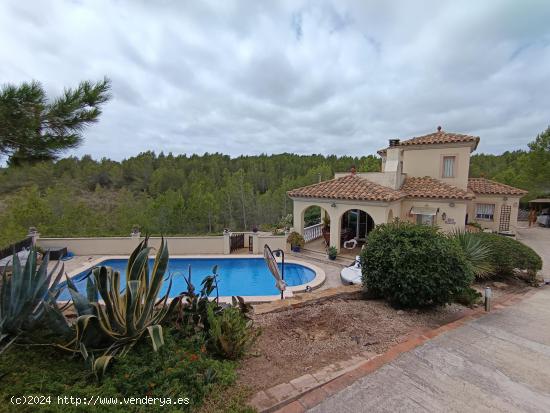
(454, 165)
(420, 218)
(485, 212)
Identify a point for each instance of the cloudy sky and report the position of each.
(298, 76)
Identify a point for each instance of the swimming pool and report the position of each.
(247, 277)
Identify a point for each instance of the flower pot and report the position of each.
(332, 257)
(295, 248)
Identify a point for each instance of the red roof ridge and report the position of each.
(439, 137)
(487, 186)
(349, 187)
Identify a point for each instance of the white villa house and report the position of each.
(423, 179)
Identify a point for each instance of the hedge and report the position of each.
(508, 254)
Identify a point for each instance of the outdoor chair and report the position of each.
(351, 244)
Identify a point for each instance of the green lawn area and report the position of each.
(180, 369)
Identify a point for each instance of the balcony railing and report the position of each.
(313, 232)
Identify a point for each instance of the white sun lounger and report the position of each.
(352, 274)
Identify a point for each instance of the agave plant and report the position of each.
(476, 251)
(193, 307)
(24, 296)
(112, 321)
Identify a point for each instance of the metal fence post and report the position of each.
(488, 298)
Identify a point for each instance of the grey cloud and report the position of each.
(291, 76)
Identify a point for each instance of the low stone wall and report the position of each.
(275, 242)
(176, 245)
(125, 245)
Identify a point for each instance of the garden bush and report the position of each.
(296, 240)
(413, 265)
(230, 334)
(507, 254)
(477, 252)
(181, 368)
(468, 297)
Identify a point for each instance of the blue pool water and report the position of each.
(236, 276)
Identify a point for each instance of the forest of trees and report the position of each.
(160, 193)
(198, 194)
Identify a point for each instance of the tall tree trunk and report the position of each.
(230, 209)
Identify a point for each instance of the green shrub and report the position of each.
(468, 297)
(181, 368)
(475, 225)
(413, 265)
(286, 221)
(507, 254)
(296, 240)
(477, 252)
(332, 253)
(231, 334)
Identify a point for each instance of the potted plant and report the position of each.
(296, 241)
(332, 252)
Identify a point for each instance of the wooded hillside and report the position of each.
(198, 194)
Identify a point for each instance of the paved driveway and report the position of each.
(497, 363)
(538, 238)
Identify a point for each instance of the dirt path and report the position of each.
(303, 340)
(496, 363)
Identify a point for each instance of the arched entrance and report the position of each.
(355, 224)
(314, 220)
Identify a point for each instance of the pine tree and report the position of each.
(33, 128)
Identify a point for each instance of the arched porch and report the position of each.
(314, 220)
(346, 219)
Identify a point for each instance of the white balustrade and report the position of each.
(313, 232)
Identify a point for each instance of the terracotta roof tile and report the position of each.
(432, 188)
(436, 138)
(486, 186)
(348, 187)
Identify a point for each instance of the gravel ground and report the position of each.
(303, 340)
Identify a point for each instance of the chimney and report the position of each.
(353, 170)
(439, 128)
(394, 142)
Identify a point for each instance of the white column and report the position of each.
(298, 219)
(256, 247)
(33, 233)
(226, 242)
(335, 231)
